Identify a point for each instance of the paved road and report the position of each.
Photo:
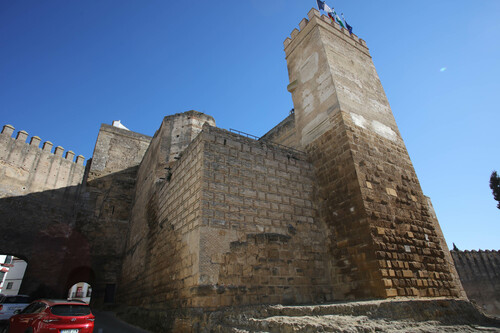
(107, 322)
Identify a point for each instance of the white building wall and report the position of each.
(2, 279)
(85, 294)
(14, 277)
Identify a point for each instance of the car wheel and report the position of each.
(29, 330)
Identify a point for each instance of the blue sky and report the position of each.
(68, 66)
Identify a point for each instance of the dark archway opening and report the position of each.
(82, 274)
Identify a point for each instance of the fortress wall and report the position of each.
(39, 228)
(160, 189)
(106, 201)
(284, 133)
(260, 240)
(169, 142)
(233, 225)
(447, 255)
(110, 186)
(178, 131)
(162, 251)
(384, 229)
(354, 272)
(27, 168)
(117, 149)
(479, 272)
(38, 189)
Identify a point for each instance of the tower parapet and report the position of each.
(314, 15)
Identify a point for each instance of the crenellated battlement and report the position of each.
(479, 272)
(35, 141)
(25, 167)
(315, 18)
(478, 251)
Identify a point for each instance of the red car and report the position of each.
(53, 316)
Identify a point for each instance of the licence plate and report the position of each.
(70, 331)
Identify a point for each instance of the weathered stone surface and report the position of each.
(38, 191)
(233, 224)
(162, 247)
(25, 168)
(105, 203)
(50, 214)
(400, 315)
(368, 193)
(480, 275)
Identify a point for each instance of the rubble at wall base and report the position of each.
(432, 315)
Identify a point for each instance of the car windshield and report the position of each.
(32, 308)
(70, 310)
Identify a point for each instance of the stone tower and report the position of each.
(383, 237)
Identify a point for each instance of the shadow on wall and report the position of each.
(40, 228)
(69, 235)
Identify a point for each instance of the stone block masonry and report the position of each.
(480, 275)
(162, 251)
(384, 241)
(260, 240)
(105, 204)
(233, 225)
(164, 216)
(27, 168)
(38, 195)
(55, 210)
